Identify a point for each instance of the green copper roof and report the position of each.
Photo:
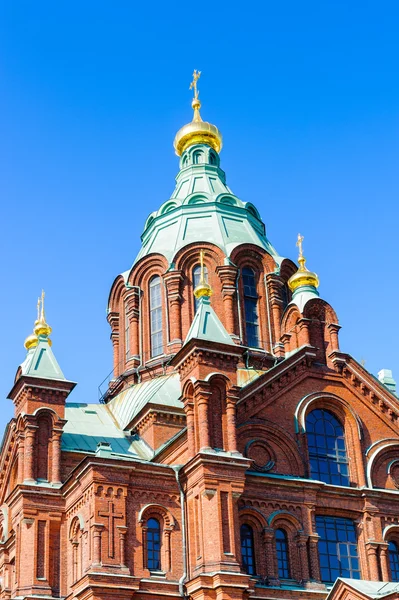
(202, 208)
(41, 362)
(303, 294)
(207, 326)
(164, 391)
(90, 424)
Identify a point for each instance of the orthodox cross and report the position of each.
(193, 84)
(299, 244)
(111, 515)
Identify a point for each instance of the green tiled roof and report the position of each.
(207, 326)
(41, 362)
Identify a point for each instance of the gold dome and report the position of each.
(198, 131)
(42, 328)
(203, 289)
(31, 341)
(302, 276)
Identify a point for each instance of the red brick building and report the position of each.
(236, 452)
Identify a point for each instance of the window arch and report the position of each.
(196, 280)
(251, 307)
(393, 553)
(283, 562)
(153, 549)
(327, 449)
(198, 157)
(156, 316)
(247, 549)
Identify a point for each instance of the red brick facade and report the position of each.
(78, 524)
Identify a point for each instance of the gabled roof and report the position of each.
(40, 362)
(207, 326)
(368, 589)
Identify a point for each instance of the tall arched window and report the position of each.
(394, 560)
(153, 545)
(327, 448)
(283, 561)
(251, 307)
(127, 335)
(42, 448)
(247, 549)
(156, 316)
(196, 280)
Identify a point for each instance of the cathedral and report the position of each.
(237, 452)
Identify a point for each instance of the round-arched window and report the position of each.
(247, 549)
(394, 560)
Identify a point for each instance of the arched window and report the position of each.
(282, 554)
(127, 335)
(196, 280)
(42, 448)
(212, 158)
(327, 449)
(251, 307)
(153, 545)
(247, 549)
(156, 316)
(198, 157)
(394, 560)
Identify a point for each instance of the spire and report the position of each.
(40, 360)
(303, 277)
(203, 288)
(198, 131)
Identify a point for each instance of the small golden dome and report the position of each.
(198, 131)
(302, 276)
(42, 328)
(203, 289)
(31, 341)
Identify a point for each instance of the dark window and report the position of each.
(127, 335)
(337, 548)
(251, 307)
(282, 554)
(247, 549)
(153, 545)
(394, 560)
(327, 450)
(156, 316)
(196, 280)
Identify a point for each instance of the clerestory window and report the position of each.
(156, 316)
(394, 560)
(153, 545)
(282, 554)
(327, 448)
(251, 307)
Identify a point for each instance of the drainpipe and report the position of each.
(183, 578)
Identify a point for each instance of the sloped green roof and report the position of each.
(164, 390)
(41, 362)
(207, 326)
(372, 589)
(202, 208)
(89, 424)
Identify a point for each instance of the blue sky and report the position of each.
(91, 96)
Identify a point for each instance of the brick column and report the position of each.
(20, 457)
(303, 334)
(314, 557)
(113, 320)
(231, 400)
(97, 532)
(132, 300)
(228, 276)
(189, 410)
(173, 281)
(30, 435)
(122, 544)
(270, 556)
(56, 456)
(302, 540)
(384, 562)
(274, 286)
(202, 401)
(371, 550)
(333, 328)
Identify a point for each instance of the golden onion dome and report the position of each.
(303, 276)
(203, 289)
(31, 341)
(198, 131)
(42, 328)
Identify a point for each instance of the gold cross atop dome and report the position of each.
(303, 277)
(193, 84)
(198, 131)
(41, 328)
